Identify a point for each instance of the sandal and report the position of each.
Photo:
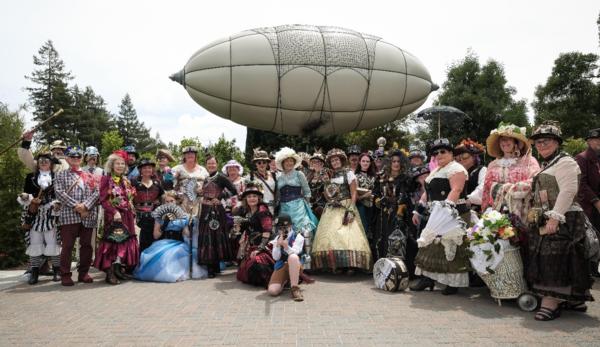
(546, 314)
(578, 306)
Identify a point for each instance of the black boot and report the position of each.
(117, 270)
(33, 276)
(449, 290)
(423, 283)
(55, 274)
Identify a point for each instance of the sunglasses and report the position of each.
(261, 162)
(75, 156)
(462, 157)
(441, 151)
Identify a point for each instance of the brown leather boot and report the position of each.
(296, 294)
(66, 280)
(111, 278)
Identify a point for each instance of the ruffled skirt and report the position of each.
(107, 253)
(340, 246)
(302, 216)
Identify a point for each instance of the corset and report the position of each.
(289, 193)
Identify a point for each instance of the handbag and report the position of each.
(117, 233)
(591, 243)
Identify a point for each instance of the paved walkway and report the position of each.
(337, 311)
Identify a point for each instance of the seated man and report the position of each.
(287, 248)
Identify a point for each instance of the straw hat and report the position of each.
(506, 130)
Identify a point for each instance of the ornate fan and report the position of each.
(169, 211)
(189, 189)
(443, 219)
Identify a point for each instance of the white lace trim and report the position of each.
(506, 162)
(555, 215)
(446, 171)
(449, 279)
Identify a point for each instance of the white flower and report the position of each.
(492, 216)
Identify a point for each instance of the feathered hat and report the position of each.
(284, 154)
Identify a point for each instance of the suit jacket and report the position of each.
(84, 190)
(589, 186)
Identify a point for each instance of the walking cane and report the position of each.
(56, 114)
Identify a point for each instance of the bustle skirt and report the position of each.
(213, 239)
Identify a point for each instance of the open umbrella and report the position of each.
(440, 112)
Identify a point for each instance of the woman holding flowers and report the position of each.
(557, 269)
(507, 184)
(119, 247)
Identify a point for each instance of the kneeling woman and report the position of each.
(169, 258)
(255, 223)
(340, 241)
(287, 249)
(118, 252)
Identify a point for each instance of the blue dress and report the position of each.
(168, 260)
(293, 189)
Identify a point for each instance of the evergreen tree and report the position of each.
(93, 117)
(133, 131)
(12, 174)
(570, 95)
(483, 94)
(50, 93)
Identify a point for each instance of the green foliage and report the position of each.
(483, 94)
(367, 139)
(570, 95)
(93, 119)
(225, 150)
(111, 141)
(133, 131)
(12, 173)
(574, 146)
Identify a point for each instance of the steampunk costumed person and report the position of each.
(392, 192)
(254, 222)
(78, 193)
(467, 154)
(365, 179)
(57, 148)
(118, 253)
(353, 152)
(163, 171)
(416, 156)
(316, 181)
(91, 158)
(340, 242)
(557, 268)
(233, 170)
(214, 245)
(39, 218)
(132, 157)
(147, 198)
(589, 186)
(264, 177)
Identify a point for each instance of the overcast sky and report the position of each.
(120, 47)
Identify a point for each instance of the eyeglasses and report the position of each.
(261, 162)
(441, 151)
(75, 156)
(44, 161)
(462, 157)
(543, 142)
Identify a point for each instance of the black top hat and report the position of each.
(252, 188)
(284, 220)
(354, 149)
(418, 171)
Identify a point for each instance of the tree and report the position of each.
(94, 119)
(483, 94)
(133, 131)
(111, 141)
(225, 150)
(393, 132)
(12, 173)
(570, 95)
(51, 93)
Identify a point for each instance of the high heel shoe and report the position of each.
(449, 290)
(422, 284)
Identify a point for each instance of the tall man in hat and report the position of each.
(132, 156)
(589, 184)
(353, 153)
(78, 193)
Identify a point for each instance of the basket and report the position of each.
(507, 281)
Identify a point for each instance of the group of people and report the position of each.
(295, 213)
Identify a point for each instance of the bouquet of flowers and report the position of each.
(488, 239)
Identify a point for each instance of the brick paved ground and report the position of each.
(337, 310)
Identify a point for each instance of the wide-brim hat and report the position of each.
(286, 153)
(44, 154)
(58, 144)
(189, 149)
(469, 146)
(548, 129)
(231, 163)
(74, 151)
(439, 144)
(418, 171)
(145, 162)
(252, 188)
(163, 152)
(260, 155)
(336, 152)
(318, 155)
(506, 130)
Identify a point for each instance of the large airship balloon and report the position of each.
(302, 79)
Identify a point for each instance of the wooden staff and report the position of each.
(33, 130)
